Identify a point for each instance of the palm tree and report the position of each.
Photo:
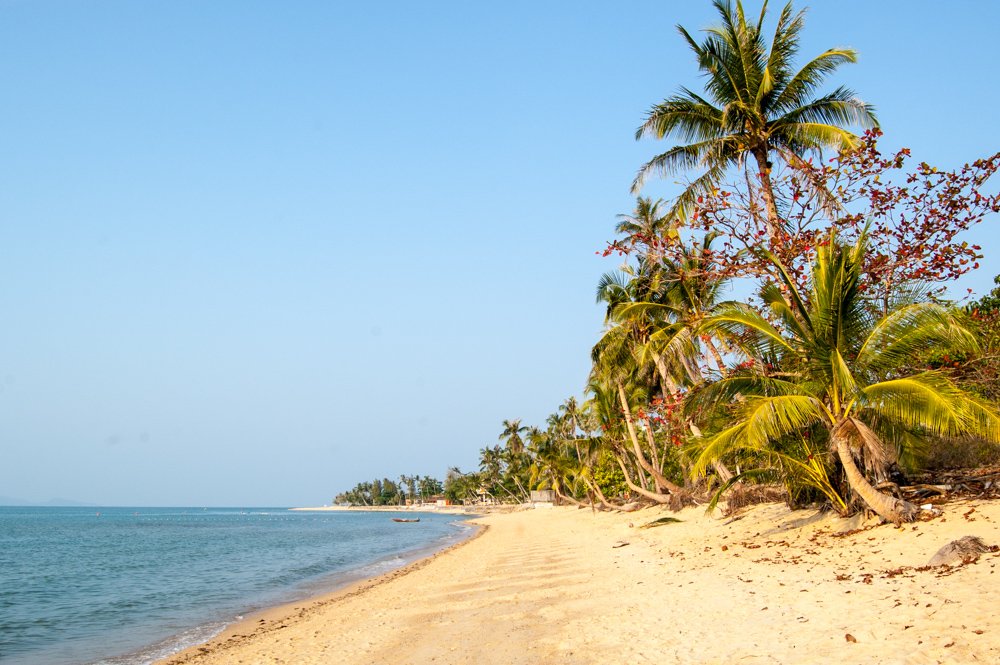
(758, 106)
(570, 410)
(837, 359)
(634, 298)
(512, 430)
(687, 293)
(647, 226)
(549, 465)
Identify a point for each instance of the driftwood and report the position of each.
(889, 485)
(959, 551)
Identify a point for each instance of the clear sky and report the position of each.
(253, 253)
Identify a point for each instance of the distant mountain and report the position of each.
(67, 503)
(57, 502)
(11, 501)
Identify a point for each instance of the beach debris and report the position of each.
(660, 522)
(850, 638)
(620, 543)
(962, 550)
(630, 507)
(855, 523)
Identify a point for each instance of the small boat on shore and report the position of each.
(399, 519)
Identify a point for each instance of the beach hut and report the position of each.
(543, 496)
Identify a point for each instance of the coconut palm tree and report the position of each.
(648, 226)
(831, 364)
(758, 106)
(634, 297)
(550, 466)
(687, 294)
(570, 410)
(512, 430)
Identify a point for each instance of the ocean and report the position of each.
(128, 586)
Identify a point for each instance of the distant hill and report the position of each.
(67, 503)
(57, 502)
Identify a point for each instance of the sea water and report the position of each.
(127, 586)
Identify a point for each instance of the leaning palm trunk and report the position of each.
(655, 496)
(725, 475)
(567, 498)
(524, 492)
(653, 453)
(717, 357)
(512, 495)
(596, 489)
(640, 458)
(888, 508)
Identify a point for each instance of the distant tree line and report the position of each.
(387, 492)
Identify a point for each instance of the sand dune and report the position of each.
(550, 586)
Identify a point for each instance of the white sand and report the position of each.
(547, 586)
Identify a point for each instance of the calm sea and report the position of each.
(132, 585)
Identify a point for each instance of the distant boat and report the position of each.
(399, 519)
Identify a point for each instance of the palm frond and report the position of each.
(928, 400)
(798, 89)
(754, 332)
(897, 338)
(761, 421)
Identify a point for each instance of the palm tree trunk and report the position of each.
(888, 508)
(725, 475)
(640, 458)
(527, 496)
(659, 498)
(773, 223)
(596, 489)
(512, 495)
(567, 498)
(648, 426)
(717, 356)
(667, 383)
(720, 467)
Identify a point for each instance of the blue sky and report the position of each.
(253, 253)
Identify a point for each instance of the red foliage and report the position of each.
(913, 217)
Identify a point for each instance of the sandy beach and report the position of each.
(561, 585)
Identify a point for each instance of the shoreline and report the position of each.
(263, 621)
(443, 510)
(767, 585)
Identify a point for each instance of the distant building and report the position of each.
(543, 496)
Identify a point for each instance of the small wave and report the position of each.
(383, 566)
(169, 646)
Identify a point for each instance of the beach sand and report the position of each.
(550, 586)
